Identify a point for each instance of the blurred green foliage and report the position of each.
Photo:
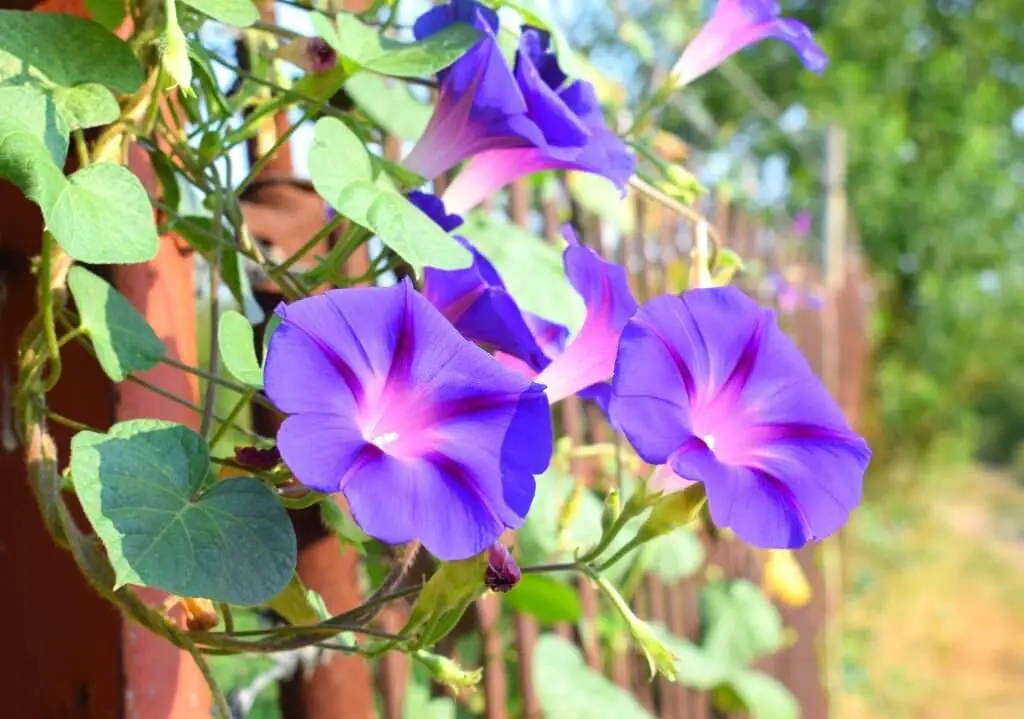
(929, 92)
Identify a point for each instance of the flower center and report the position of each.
(709, 440)
(384, 439)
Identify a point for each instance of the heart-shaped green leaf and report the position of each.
(102, 215)
(343, 175)
(123, 340)
(54, 49)
(141, 487)
(366, 46)
(743, 624)
(238, 13)
(568, 689)
(238, 349)
(390, 104)
(547, 600)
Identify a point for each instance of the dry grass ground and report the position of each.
(934, 615)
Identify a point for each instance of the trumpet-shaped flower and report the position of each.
(708, 384)
(477, 302)
(426, 435)
(509, 122)
(737, 24)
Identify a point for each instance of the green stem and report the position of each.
(219, 379)
(622, 552)
(550, 568)
(81, 149)
(230, 419)
(185, 403)
(46, 307)
(70, 336)
(312, 242)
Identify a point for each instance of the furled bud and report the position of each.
(174, 50)
(200, 614)
(312, 54)
(258, 458)
(502, 571)
(448, 672)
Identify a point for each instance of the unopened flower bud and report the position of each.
(258, 458)
(174, 50)
(502, 571)
(312, 54)
(200, 614)
(448, 672)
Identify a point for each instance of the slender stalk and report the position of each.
(46, 308)
(230, 419)
(185, 403)
(219, 379)
(312, 242)
(210, 400)
(81, 149)
(70, 423)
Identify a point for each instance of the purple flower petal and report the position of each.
(590, 356)
(709, 384)
(426, 435)
(737, 24)
(484, 106)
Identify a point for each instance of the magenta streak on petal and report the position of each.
(516, 364)
(350, 378)
(491, 170)
(454, 310)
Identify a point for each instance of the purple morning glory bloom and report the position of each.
(509, 122)
(736, 24)
(476, 301)
(427, 436)
(803, 222)
(789, 296)
(708, 384)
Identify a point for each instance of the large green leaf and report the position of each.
(53, 49)
(366, 46)
(238, 349)
(389, 104)
(568, 689)
(101, 214)
(547, 600)
(123, 340)
(142, 488)
(742, 623)
(108, 13)
(343, 175)
(531, 268)
(239, 13)
(760, 696)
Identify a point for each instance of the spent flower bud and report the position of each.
(502, 572)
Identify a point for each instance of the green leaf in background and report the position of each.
(34, 49)
(601, 197)
(676, 555)
(419, 704)
(342, 526)
(238, 349)
(299, 605)
(695, 667)
(366, 46)
(389, 104)
(343, 175)
(742, 623)
(546, 599)
(141, 487)
(108, 13)
(568, 689)
(237, 13)
(761, 696)
(531, 268)
(538, 541)
(123, 340)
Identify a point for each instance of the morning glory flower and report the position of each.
(509, 122)
(789, 296)
(736, 24)
(707, 384)
(477, 302)
(426, 435)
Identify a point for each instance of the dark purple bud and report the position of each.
(257, 458)
(502, 571)
(321, 56)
